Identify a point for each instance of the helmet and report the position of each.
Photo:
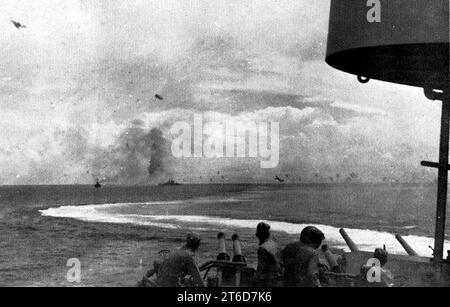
(262, 228)
(312, 236)
(382, 255)
(193, 241)
(262, 231)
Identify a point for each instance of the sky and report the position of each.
(77, 93)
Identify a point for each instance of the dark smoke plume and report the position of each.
(138, 157)
(157, 151)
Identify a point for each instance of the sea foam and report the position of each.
(366, 239)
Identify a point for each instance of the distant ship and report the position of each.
(170, 182)
(98, 185)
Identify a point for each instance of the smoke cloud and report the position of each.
(159, 146)
(139, 156)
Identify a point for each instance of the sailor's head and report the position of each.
(312, 237)
(193, 241)
(263, 231)
(382, 255)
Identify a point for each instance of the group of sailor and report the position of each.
(297, 265)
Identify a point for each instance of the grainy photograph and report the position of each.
(247, 144)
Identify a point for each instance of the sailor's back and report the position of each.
(300, 264)
(175, 267)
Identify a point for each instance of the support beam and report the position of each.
(434, 165)
(441, 209)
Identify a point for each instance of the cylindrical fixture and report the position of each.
(408, 42)
(222, 248)
(221, 240)
(353, 247)
(406, 246)
(237, 249)
(237, 246)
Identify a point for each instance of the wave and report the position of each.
(409, 227)
(366, 239)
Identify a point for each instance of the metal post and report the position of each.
(442, 181)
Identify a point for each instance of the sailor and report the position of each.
(268, 271)
(301, 259)
(387, 278)
(180, 265)
(376, 275)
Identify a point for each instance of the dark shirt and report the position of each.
(301, 266)
(176, 267)
(269, 263)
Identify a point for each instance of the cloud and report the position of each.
(358, 109)
(78, 85)
(314, 146)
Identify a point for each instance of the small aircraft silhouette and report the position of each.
(18, 25)
(279, 179)
(159, 97)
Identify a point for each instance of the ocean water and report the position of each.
(116, 232)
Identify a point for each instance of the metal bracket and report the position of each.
(435, 165)
(363, 80)
(432, 94)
